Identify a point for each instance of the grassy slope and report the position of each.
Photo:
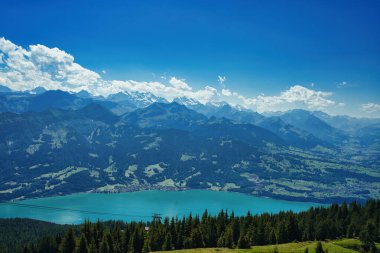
(336, 246)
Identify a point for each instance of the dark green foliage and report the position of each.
(68, 242)
(168, 245)
(28, 231)
(92, 247)
(221, 230)
(82, 245)
(104, 247)
(368, 237)
(243, 242)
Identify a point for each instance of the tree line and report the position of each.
(224, 229)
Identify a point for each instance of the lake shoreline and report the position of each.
(73, 209)
(126, 189)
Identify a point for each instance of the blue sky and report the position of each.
(261, 47)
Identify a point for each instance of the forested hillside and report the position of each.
(223, 230)
(169, 146)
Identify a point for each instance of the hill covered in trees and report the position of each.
(58, 143)
(224, 230)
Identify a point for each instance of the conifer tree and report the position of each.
(104, 247)
(146, 247)
(168, 245)
(92, 247)
(134, 245)
(47, 245)
(243, 242)
(68, 242)
(368, 236)
(82, 245)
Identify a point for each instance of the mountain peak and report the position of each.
(186, 101)
(165, 115)
(139, 99)
(98, 112)
(38, 90)
(83, 94)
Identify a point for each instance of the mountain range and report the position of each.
(56, 142)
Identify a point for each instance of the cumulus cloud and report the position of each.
(26, 68)
(296, 96)
(42, 66)
(371, 108)
(179, 84)
(226, 92)
(52, 68)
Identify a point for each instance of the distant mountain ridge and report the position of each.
(57, 142)
(169, 146)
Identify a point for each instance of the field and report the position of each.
(335, 246)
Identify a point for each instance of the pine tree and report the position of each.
(167, 243)
(110, 243)
(92, 247)
(86, 229)
(82, 245)
(281, 233)
(368, 236)
(68, 242)
(243, 242)
(196, 239)
(134, 245)
(220, 242)
(228, 240)
(146, 247)
(272, 237)
(104, 247)
(47, 245)
(125, 238)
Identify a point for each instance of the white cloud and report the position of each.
(295, 97)
(42, 66)
(221, 80)
(371, 108)
(226, 92)
(179, 84)
(343, 84)
(52, 68)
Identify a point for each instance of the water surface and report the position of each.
(141, 205)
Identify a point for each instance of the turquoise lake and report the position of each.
(141, 205)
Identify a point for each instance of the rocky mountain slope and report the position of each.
(55, 142)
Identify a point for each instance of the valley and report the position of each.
(59, 143)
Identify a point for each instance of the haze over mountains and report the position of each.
(54, 142)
